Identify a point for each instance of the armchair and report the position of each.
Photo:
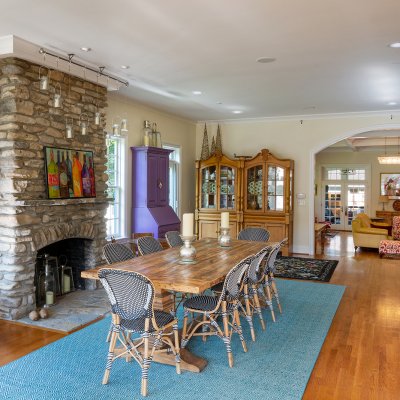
(391, 247)
(367, 223)
(365, 236)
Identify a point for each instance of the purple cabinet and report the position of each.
(150, 192)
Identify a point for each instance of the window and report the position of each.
(115, 210)
(174, 162)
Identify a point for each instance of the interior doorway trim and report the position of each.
(317, 149)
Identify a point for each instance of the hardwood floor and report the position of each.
(360, 358)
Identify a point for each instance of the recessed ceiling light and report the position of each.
(265, 60)
(219, 102)
(197, 92)
(125, 66)
(391, 103)
(395, 45)
(86, 49)
(237, 112)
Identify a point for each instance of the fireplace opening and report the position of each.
(58, 269)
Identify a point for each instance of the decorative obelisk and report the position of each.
(205, 151)
(218, 142)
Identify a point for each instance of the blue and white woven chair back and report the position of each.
(254, 234)
(116, 252)
(257, 265)
(272, 258)
(131, 294)
(148, 245)
(174, 239)
(233, 280)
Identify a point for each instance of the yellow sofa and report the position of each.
(364, 235)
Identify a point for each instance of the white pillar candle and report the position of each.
(49, 298)
(225, 220)
(67, 283)
(187, 225)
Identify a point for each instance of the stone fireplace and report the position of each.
(28, 220)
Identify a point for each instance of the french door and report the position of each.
(342, 202)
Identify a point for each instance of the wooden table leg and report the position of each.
(189, 361)
(323, 239)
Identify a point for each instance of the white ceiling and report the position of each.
(331, 56)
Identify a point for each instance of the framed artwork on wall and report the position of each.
(69, 173)
(390, 184)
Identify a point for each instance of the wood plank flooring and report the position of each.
(360, 358)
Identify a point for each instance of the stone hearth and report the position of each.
(28, 220)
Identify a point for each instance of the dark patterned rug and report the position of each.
(305, 268)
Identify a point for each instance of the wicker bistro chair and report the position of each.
(270, 289)
(212, 307)
(253, 285)
(132, 295)
(173, 239)
(254, 234)
(116, 252)
(148, 245)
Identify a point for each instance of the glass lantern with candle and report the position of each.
(49, 284)
(147, 134)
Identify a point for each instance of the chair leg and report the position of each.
(248, 312)
(109, 334)
(236, 323)
(177, 350)
(226, 338)
(204, 328)
(275, 293)
(184, 329)
(258, 307)
(269, 298)
(110, 356)
(146, 359)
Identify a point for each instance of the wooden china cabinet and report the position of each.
(217, 189)
(268, 196)
(256, 192)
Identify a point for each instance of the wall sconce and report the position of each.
(44, 80)
(57, 96)
(83, 122)
(69, 128)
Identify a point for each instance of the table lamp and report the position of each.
(383, 199)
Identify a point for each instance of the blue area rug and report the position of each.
(277, 365)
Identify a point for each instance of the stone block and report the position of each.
(10, 302)
(11, 69)
(8, 105)
(24, 107)
(7, 285)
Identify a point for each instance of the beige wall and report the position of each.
(289, 138)
(174, 130)
(369, 158)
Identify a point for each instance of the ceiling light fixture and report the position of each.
(395, 45)
(391, 159)
(265, 60)
(237, 112)
(86, 49)
(219, 102)
(125, 66)
(197, 92)
(391, 103)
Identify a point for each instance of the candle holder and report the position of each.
(187, 251)
(224, 238)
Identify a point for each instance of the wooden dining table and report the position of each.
(168, 275)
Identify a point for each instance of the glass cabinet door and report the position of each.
(209, 187)
(227, 187)
(276, 183)
(255, 188)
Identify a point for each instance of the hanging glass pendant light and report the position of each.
(124, 125)
(57, 96)
(69, 128)
(83, 122)
(44, 80)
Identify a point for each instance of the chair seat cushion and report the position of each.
(137, 325)
(204, 303)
